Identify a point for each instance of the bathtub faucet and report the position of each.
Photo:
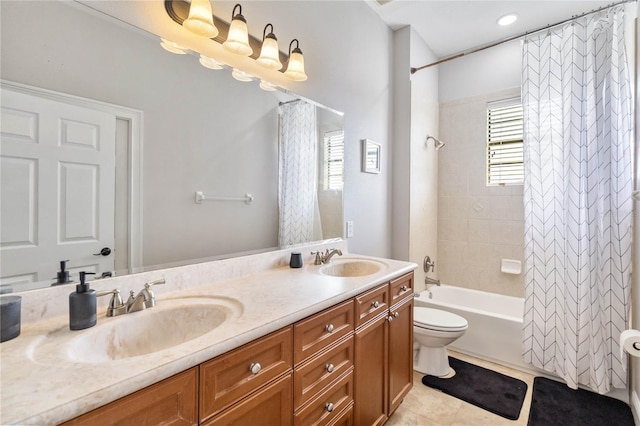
(428, 281)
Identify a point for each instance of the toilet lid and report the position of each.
(435, 319)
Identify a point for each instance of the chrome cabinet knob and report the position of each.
(255, 367)
(329, 328)
(329, 406)
(389, 318)
(329, 368)
(396, 314)
(376, 304)
(404, 288)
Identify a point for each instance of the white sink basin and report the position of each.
(351, 267)
(170, 324)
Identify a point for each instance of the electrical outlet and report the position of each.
(349, 228)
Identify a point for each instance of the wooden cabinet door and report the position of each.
(171, 402)
(371, 373)
(400, 353)
(272, 405)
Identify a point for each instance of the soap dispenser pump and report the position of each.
(82, 305)
(63, 274)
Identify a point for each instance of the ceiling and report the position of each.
(453, 26)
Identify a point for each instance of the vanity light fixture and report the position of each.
(241, 75)
(235, 37)
(270, 53)
(295, 68)
(238, 38)
(210, 63)
(507, 19)
(200, 20)
(173, 47)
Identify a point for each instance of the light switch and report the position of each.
(349, 228)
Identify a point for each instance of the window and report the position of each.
(505, 165)
(333, 159)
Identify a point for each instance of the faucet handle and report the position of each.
(318, 260)
(149, 297)
(116, 305)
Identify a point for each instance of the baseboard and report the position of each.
(635, 407)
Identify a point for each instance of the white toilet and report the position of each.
(434, 329)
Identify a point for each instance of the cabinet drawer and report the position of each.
(327, 406)
(227, 378)
(345, 418)
(371, 304)
(322, 329)
(271, 405)
(401, 288)
(316, 374)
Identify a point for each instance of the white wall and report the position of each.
(344, 74)
(481, 73)
(634, 388)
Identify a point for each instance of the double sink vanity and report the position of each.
(240, 341)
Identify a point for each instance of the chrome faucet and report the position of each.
(320, 258)
(428, 281)
(135, 303)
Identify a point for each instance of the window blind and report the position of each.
(334, 159)
(505, 164)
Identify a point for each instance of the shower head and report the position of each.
(437, 143)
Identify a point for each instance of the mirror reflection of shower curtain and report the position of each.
(299, 216)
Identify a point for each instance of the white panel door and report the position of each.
(57, 180)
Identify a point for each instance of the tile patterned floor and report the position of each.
(424, 406)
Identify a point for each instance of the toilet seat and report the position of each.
(436, 319)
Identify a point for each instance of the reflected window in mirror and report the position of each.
(333, 160)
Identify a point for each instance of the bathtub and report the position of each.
(495, 323)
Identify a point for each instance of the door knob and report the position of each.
(106, 251)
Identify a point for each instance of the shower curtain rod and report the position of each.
(515, 37)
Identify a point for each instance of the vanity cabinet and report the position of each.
(350, 364)
(383, 350)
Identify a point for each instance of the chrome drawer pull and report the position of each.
(328, 406)
(403, 288)
(255, 367)
(375, 304)
(329, 367)
(329, 328)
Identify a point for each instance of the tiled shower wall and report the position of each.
(478, 225)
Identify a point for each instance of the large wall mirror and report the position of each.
(189, 128)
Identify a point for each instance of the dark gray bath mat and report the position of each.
(487, 389)
(553, 403)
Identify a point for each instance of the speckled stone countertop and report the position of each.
(42, 382)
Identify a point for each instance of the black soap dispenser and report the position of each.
(63, 275)
(82, 305)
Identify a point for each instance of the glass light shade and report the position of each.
(173, 47)
(241, 75)
(295, 69)
(238, 38)
(210, 63)
(200, 20)
(270, 54)
(265, 85)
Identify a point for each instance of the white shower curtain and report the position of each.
(297, 194)
(577, 193)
